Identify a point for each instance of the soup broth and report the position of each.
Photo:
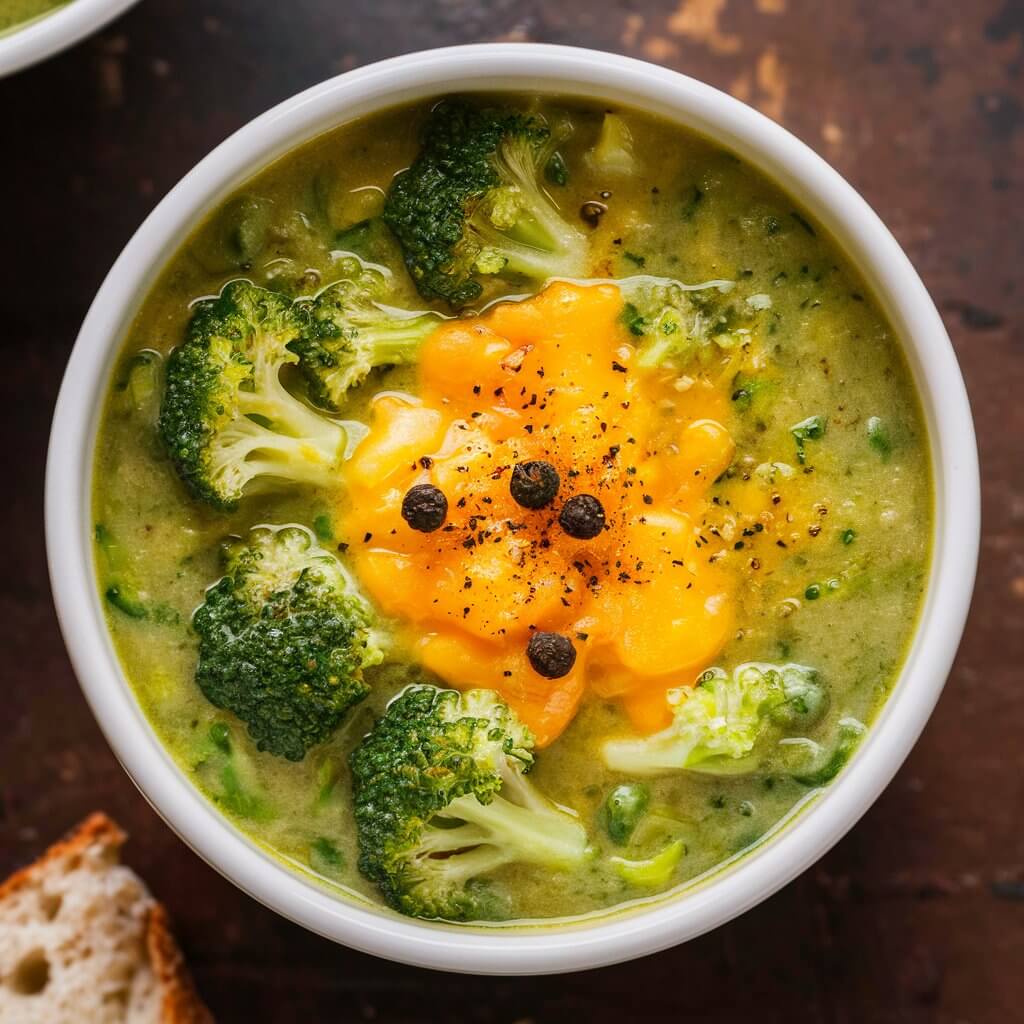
(810, 504)
(15, 13)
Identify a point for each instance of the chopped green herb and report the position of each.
(237, 799)
(693, 201)
(878, 437)
(220, 736)
(848, 536)
(810, 429)
(126, 599)
(326, 779)
(746, 389)
(323, 528)
(635, 258)
(325, 858)
(633, 320)
(813, 592)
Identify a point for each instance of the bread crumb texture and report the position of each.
(81, 939)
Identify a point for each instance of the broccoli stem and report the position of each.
(533, 834)
(653, 354)
(399, 342)
(270, 400)
(464, 864)
(302, 460)
(653, 756)
(303, 446)
(645, 756)
(521, 257)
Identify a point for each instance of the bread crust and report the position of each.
(179, 1001)
(96, 829)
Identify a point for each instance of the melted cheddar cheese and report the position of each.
(551, 378)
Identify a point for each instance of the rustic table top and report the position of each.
(918, 914)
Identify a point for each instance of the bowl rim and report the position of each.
(856, 228)
(54, 31)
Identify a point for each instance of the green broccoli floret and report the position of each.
(441, 800)
(680, 325)
(473, 204)
(284, 640)
(351, 332)
(226, 418)
(725, 723)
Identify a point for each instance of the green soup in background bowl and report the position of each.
(32, 30)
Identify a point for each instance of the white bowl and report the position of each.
(53, 32)
(524, 68)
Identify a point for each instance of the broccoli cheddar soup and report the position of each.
(16, 13)
(511, 509)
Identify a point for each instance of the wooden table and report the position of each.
(918, 915)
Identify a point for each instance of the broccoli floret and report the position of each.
(226, 418)
(284, 640)
(725, 723)
(679, 325)
(441, 800)
(473, 204)
(351, 332)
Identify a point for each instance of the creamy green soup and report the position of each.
(15, 13)
(808, 538)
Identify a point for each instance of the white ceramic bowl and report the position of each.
(522, 68)
(53, 32)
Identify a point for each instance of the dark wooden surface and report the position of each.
(918, 915)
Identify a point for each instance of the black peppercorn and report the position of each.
(534, 484)
(551, 654)
(582, 517)
(424, 508)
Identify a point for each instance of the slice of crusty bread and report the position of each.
(81, 939)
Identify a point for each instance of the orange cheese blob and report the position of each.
(550, 378)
